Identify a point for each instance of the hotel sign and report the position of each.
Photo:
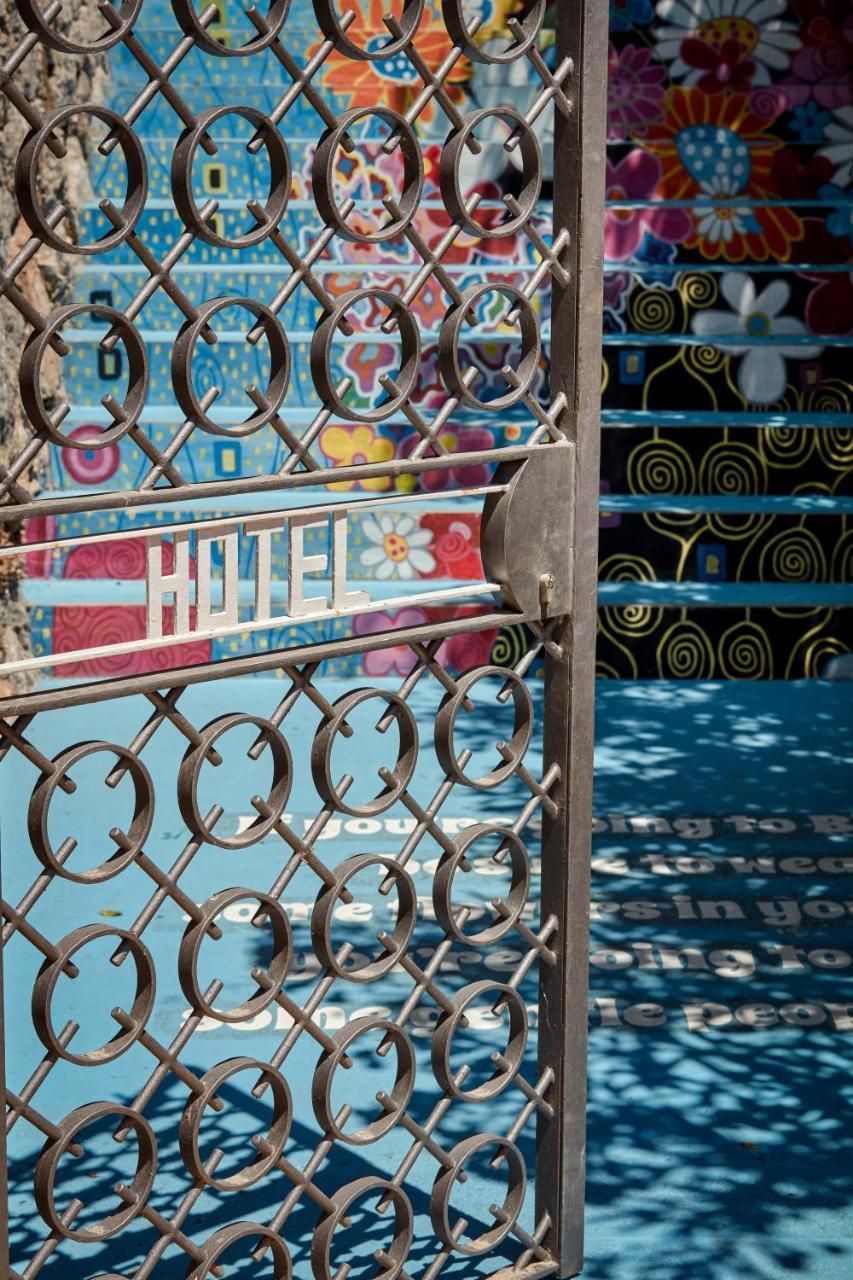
(192, 568)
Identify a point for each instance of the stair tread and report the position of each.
(47, 592)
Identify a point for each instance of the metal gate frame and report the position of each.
(525, 548)
(579, 155)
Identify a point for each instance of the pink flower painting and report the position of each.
(635, 90)
(636, 178)
(396, 659)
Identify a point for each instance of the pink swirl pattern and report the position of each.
(90, 626)
(91, 466)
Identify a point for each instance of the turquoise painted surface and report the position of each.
(722, 854)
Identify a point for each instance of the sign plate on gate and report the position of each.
(192, 583)
(193, 588)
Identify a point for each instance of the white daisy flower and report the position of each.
(722, 223)
(840, 153)
(762, 374)
(723, 220)
(754, 24)
(398, 547)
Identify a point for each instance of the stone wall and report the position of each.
(49, 80)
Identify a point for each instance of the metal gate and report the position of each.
(141, 1140)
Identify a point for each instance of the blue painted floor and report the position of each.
(720, 1137)
(720, 1140)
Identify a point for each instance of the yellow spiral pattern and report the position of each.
(625, 568)
(788, 447)
(819, 652)
(733, 468)
(704, 359)
(633, 620)
(613, 658)
(831, 396)
(763, 546)
(699, 290)
(606, 671)
(652, 310)
(842, 559)
(744, 652)
(510, 646)
(835, 447)
(794, 555)
(685, 653)
(660, 466)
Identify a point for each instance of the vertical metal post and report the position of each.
(579, 150)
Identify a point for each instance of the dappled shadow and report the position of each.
(719, 1125)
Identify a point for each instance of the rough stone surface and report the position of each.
(49, 79)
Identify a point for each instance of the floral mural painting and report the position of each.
(455, 440)
(720, 152)
(355, 446)
(396, 659)
(396, 548)
(394, 81)
(728, 295)
(728, 321)
(635, 89)
(90, 466)
(632, 183)
(762, 369)
(725, 44)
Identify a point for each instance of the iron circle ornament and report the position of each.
(446, 719)
(450, 335)
(401, 1092)
(323, 174)
(34, 16)
(26, 179)
(343, 1200)
(130, 842)
(221, 1241)
(496, 993)
(184, 349)
(410, 356)
(530, 24)
(272, 1145)
(189, 775)
(333, 29)
(140, 1009)
(450, 181)
(328, 900)
(514, 901)
(189, 952)
(69, 1131)
(31, 367)
(404, 766)
(183, 159)
(442, 1190)
(191, 24)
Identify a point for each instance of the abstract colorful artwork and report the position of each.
(728, 320)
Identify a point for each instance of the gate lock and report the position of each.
(527, 532)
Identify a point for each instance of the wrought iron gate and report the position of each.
(144, 1084)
